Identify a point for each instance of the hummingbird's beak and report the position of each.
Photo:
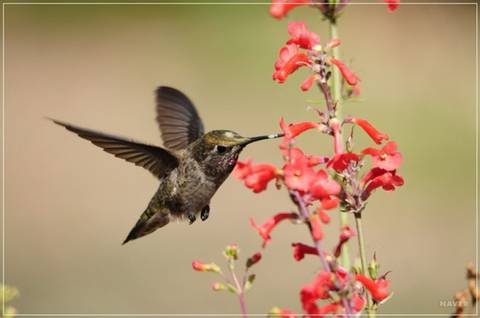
(253, 139)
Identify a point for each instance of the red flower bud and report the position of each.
(203, 267)
(307, 84)
(288, 61)
(254, 259)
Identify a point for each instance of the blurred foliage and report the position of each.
(7, 294)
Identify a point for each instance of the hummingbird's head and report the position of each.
(218, 150)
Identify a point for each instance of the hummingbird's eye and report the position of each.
(220, 149)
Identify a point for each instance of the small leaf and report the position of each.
(249, 282)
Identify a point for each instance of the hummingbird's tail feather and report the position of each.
(147, 224)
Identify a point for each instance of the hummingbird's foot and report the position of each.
(205, 212)
(191, 218)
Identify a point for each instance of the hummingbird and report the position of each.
(191, 167)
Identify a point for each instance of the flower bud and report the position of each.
(231, 251)
(254, 259)
(202, 267)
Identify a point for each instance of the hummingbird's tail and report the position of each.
(149, 221)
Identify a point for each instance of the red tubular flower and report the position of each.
(340, 162)
(297, 172)
(267, 227)
(280, 8)
(255, 177)
(300, 35)
(254, 259)
(377, 288)
(392, 4)
(300, 250)
(293, 130)
(288, 61)
(387, 158)
(345, 235)
(377, 177)
(348, 75)
(318, 289)
(377, 136)
(203, 267)
(323, 186)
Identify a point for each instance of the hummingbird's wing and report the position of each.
(178, 119)
(155, 159)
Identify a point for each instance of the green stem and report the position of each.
(363, 258)
(336, 78)
(337, 98)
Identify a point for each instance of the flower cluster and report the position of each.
(344, 179)
(303, 49)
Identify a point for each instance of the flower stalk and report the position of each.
(371, 312)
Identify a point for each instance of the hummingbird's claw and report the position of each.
(191, 217)
(205, 212)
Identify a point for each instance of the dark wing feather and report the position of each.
(178, 119)
(155, 159)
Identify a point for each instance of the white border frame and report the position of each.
(4, 4)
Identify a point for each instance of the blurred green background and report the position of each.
(70, 205)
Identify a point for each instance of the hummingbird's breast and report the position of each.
(189, 188)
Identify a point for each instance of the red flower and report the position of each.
(377, 177)
(377, 288)
(202, 267)
(392, 4)
(377, 136)
(301, 36)
(280, 8)
(297, 172)
(254, 259)
(300, 250)
(387, 158)
(267, 227)
(358, 303)
(255, 177)
(348, 75)
(323, 187)
(293, 130)
(288, 61)
(345, 235)
(340, 162)
(318, 289)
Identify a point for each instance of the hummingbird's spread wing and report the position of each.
(155, 159)
(178, 119)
